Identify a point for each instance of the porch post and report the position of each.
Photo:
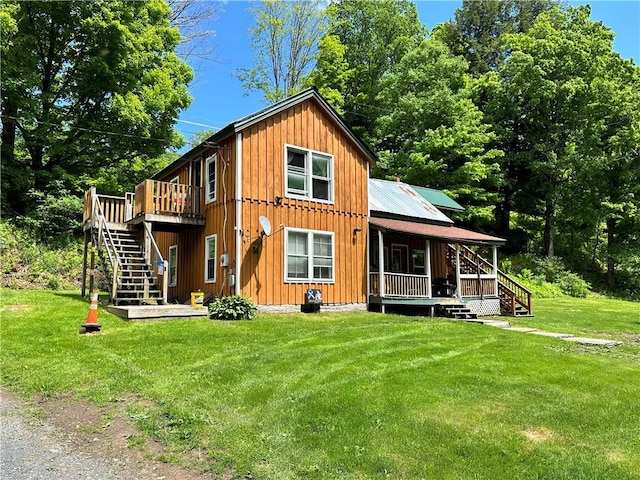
(495, 267)
(427, 265)
(459, 289)
(381, 268)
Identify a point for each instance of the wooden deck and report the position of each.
(151, 312)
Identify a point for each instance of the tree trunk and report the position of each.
(503, 216)
(611, 264)
(549, 222)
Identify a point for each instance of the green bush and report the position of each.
(232, 308)
(538, 286)
(572, 285)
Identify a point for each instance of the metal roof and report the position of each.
(442, 232)
(397, 198)
(438, 198)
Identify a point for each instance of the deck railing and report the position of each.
(164, 198)
(472, 286)
(111, 208)
(400, 285)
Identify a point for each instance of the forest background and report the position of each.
(521, 110)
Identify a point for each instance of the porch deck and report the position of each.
(151, 312)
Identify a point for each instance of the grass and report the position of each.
(350, 395)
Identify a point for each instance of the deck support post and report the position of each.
(495, 267)
(381, 269)
(427, 267)
(84, 263)
(458, 283)
(92, 267)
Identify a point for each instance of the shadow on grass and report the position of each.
(72, 296)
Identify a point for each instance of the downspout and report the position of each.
(238, 226)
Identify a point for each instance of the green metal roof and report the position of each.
(438, 198)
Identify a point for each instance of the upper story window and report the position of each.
(309, 174)
(210, 178)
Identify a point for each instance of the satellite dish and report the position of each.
(266, 225)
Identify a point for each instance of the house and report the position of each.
(274, 205)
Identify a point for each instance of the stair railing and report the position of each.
(511, 291)
(105, 237)
(153, 256)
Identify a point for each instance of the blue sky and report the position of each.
(219, 98)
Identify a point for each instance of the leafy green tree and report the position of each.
(331, 72)
(548, 99)
(480, 26)
(85, 84)
(432, 134)
(284, 40)
(374, 36)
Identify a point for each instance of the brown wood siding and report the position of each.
(263, 148)
(191, 241)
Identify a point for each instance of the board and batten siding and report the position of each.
(262, 276)
(191, 240)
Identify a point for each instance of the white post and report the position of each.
(427, 265)
(495, 267)
(459, 285)
(165, 281)
(147, 244)
(381, 268)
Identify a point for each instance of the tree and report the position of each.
(480, 26)
(374, 36)
(432, 134)
(548, 94)
(86, 84)
(284, 40)
(192, 18)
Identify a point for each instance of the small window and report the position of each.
(174, 180)
(197, 173)
(309, 174)
(309, 256)
(173, 265)
(210, 255)
(210, 178)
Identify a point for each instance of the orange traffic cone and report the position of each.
(92, 325)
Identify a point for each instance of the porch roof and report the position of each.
(442, 232)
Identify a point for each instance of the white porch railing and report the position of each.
(401, 285)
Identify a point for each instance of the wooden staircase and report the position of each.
(123, 259)
(455, 310)
(515, 299)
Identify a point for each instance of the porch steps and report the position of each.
(457, 311)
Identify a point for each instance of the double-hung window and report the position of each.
(210, 178)
(210, 259)
(309, 174)
(309, 256)
(173, 265)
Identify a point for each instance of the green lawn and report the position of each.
(351, 395)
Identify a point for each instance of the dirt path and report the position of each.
(63, 438)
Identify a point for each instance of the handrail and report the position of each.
(507, 285)
(103, 229)
(155, 263)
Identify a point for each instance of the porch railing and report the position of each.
(400, 285)
(152, 196)
(472, 286)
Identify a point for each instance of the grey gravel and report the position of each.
(32, 450)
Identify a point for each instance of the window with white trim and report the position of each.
(309, 256)
(210, 255)
(210, 178)
(173, 265)
(309, 174)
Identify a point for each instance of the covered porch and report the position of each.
(430, 265)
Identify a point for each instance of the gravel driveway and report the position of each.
(31, 449)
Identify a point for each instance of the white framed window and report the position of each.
(309, 174)
(196, 170)
(175, 180)
(309, 256)
(210, 178)
(173, 265)
(210, 256)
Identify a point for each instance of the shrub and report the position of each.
(232, 308)
(572, 285)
